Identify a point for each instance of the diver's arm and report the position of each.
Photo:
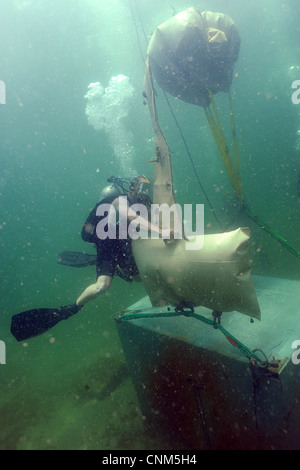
(127, 212)
(88, 229)
(145, 224)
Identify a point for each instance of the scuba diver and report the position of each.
(114, 255)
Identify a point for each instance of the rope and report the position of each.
(236, 152)
(136, 29)
(215, 323)
(271, 232)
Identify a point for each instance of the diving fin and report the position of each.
(76, 259)
(26, 325)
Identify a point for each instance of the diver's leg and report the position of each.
(91, 292)
(126, 261)
(105, 267)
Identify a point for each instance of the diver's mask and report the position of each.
(140, 187)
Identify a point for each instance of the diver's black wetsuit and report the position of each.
(112, 254)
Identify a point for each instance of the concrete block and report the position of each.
(192, 383)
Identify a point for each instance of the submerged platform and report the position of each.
(194, 384)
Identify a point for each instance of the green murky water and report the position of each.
(70, 389)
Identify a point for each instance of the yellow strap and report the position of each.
(218, 134)
(223, 150)
(237, 161)
(222, 147)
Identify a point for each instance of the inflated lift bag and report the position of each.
(192, 52)
(217, 276)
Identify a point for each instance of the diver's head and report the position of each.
(139, 189)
